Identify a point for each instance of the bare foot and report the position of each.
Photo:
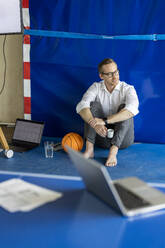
(88, 154)
(111, 161)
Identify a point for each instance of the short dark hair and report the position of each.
(105, 62)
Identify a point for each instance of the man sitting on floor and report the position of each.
(110, 103)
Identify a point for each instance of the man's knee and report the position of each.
(121, 107)
(96, 109)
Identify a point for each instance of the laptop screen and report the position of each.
(94, 178)
(28, 131)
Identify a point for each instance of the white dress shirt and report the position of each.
(110, 102)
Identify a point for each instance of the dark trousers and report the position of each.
(123, 131)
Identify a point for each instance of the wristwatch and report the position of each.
(106, 121)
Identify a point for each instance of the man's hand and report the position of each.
(96, 121)
(101, 130)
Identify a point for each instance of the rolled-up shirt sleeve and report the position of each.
(132, 102)
(88, 97)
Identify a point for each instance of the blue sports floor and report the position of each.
(79, 219)
(146, 161)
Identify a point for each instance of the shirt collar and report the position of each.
(118, 86)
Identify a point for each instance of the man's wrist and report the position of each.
(106, 121)
(90, 120)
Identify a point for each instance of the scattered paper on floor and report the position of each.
(19, 195)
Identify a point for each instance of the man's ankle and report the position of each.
(113, 150)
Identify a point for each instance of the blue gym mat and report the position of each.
(145, 161)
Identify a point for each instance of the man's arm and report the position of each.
(123, 115)
(86, 114)
(96, 123)
(130, 110)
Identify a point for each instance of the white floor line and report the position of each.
(159, 185)
(40, 175)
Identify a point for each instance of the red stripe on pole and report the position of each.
(25, 3)
(26, 39)
(27, 105)
(26, 70)
(26, 27)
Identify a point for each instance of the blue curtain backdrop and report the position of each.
(63, 68)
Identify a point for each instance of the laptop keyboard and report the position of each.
(130, 200)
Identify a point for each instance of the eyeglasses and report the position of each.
(110, 74)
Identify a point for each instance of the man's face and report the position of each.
(110, 74)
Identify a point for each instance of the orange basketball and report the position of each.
(73, 140)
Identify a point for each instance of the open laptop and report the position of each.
(27, 135)
(130, 196)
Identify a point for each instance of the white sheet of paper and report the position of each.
(18, 195)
